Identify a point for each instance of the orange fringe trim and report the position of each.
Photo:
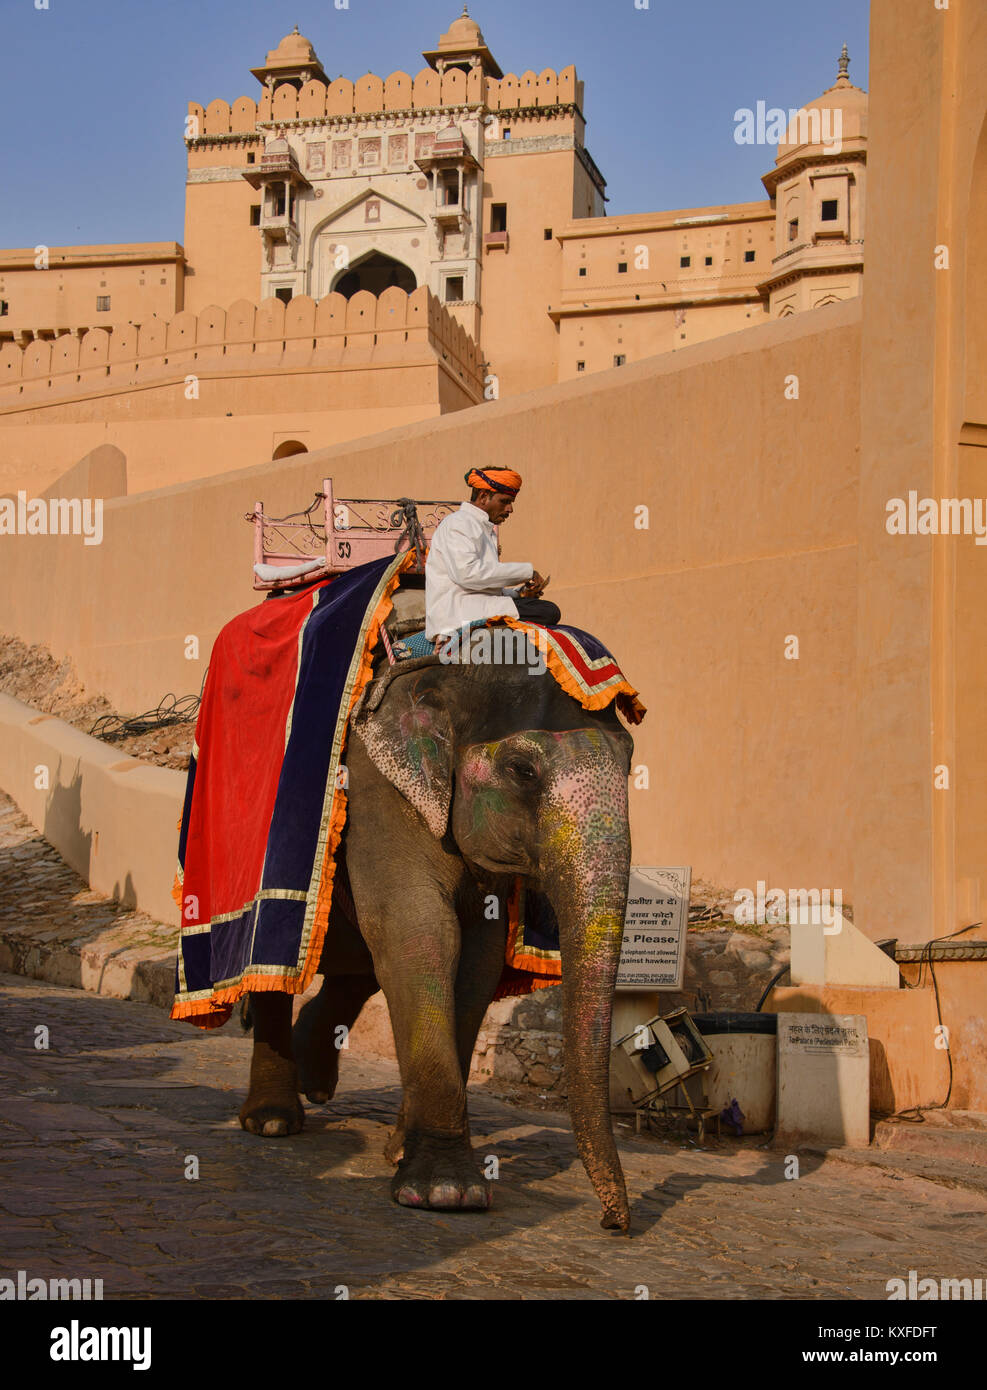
(624, 693)
(537, 965)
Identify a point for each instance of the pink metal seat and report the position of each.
(336, 534)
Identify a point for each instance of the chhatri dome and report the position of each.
(463, 46)
(843, 96)
(294, 60)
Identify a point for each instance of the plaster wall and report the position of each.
(597, 339)
(142, 281)
(919, 686)
(751, 538)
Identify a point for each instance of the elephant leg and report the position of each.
(481, 961)
(437, 1168)
(272, 1107)
(481, 964)
(317, 1039)
(405, 906)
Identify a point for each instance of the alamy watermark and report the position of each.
(23, 1288)
(957, 1290)
(78, 1343)
(798, 907)
(937, 516)
(770, 125)
(52, 516)
(492, 646)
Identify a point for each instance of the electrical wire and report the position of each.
(170, 709)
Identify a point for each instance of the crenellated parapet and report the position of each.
(333, 332)
(371, 96)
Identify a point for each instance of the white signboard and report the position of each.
(652, 956)
(823, 1035)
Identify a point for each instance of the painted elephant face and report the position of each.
(540, 795)
(556, 783)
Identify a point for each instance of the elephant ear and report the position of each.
(409, 739)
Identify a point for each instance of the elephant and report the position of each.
(461, 777)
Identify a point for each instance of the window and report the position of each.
(830, 209)
(619, 359)
(255, 214)
(580, 366)
(4, 308)
(685, 262)
(454, 289)
(505, 134)
(793, 230)
(102, 303)
(498, 217)
(251, 158)
(621, 267)
(277, 200)
(548, 234)
(284, 294)
(582, 270)
(709, 260)
(450, 188)
(749, 256)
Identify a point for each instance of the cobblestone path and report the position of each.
(96, 1132)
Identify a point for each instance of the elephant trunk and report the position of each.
(585, 865)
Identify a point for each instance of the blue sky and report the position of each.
(104, 84)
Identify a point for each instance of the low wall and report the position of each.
(112, 818)
(907, 1066)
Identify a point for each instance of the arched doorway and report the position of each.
(376, 272)
(287, 447)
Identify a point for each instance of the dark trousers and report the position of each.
(539, 610)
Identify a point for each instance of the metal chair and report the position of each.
(336, 534)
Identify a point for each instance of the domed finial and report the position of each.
(465, 14)
(844, 65)
(295, 30)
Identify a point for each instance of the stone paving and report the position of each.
(97, 1132)
(53, 926)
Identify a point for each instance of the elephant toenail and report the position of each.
(274, 1128)
(445, 1195)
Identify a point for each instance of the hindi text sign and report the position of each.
(652, 956)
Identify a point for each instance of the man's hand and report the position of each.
(535, 586)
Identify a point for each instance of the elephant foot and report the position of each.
(316, 1057)
(272, 1116)
(439, 1173)
(272, 1108)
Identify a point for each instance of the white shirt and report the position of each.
(464, 579)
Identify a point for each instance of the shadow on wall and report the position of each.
(78, 847)
(63, 823)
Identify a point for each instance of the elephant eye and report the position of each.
(523, 770)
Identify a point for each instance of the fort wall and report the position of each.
(226, 382)
(371, 95)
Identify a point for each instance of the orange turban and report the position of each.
(495, 480)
